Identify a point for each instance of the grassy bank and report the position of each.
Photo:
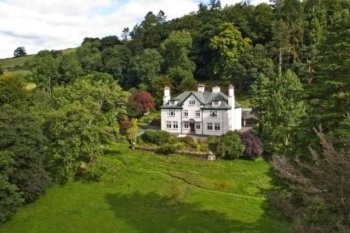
(144, 192)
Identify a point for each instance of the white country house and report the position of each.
(201, 112)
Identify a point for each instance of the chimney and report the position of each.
(231, 96)
(166, 96)
(201, 87)
(216, 89)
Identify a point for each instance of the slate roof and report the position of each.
(205, 98)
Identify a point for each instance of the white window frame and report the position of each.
(175, 125)
(217, 126)
(216, 103)
(198, 126)
(185, 113)
(171, 113)
(209, 126)
(214, 113)
(186, 125)
(168, 124)
(192, 103)
(198, 114)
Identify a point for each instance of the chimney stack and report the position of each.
(231, 96)
(166, 96)
(201, 87)
(216, 89)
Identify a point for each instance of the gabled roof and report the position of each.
(205, 98)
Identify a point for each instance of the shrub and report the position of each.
(168, 148)
(92, 171)
(253, 145)
(156, 121)
(229, 146)
(124, 126)
(189, 141)
(213, 142)
(157, 137)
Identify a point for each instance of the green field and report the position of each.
(148, 193)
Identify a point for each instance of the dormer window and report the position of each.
(215, 103)
(213, 113)
(173, 102)
(171, 113)
(192, 103)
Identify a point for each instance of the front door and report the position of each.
(192, 127)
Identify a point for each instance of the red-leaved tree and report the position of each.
(143, 100)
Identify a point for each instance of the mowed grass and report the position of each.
(148, 193)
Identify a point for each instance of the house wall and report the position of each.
(236, 119)
(222, 119)
(191, 114)
(165, 117)
(228, 119)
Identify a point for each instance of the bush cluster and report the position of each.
(157, 137)
(229, 146)
(253, 145)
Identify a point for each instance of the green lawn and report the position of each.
(148, 193)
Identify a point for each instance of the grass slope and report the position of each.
(148, 193)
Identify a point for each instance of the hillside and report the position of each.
(22, 63)
(144, 192)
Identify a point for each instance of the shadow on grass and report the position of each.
(153, 213)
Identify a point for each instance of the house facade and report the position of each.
(201, 112)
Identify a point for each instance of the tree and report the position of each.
(89, 55)
(252, 63)
(229, 45)
(69, 68)
(22, 138)
(45, 70)
(109, 42)
(125, 34)
(175, 50)
(10, 197)
(146, 66)
(131, 133)
(330, 90)
(20, 52)
(1, 70)
(115, 61)
(279, 105)
(317, 191)
(143, 101)
(12, 91)
(82, 116)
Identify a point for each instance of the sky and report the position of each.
(60, 24)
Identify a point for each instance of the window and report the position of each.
(198, 126)
(175, 125)
(213, 113)
(186, 125)
(216, 103)
(192, 103)
(210, 126)
(198, 113)
(217, 126)
(168, 124)
(185, 113)
(171, 113)
(173, 102)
